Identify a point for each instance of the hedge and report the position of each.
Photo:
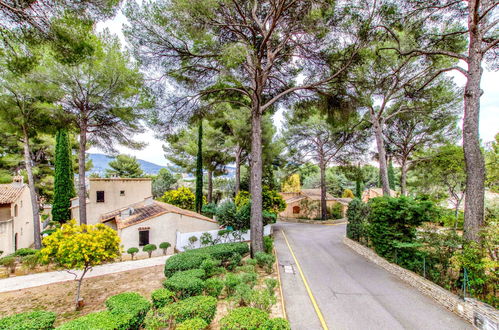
(194, 307)
(186, 283)
(276, 324)
(29, 321)
(194, 258)
(104, 320)
(213, 287)
(130, 304)
(192, 324)
(247, 318)
(162, 297)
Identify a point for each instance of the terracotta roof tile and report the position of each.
(10, 193)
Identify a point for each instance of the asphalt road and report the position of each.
(351, 292)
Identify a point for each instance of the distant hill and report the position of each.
(101, 162)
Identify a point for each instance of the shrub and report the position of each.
(209, 210)
(162, 297)
(251, 261)
(192, 324)
(246, 269)
(247, 318)
(276, 324)
(130, 306)
(210, 266)
(262, 299)
(157, 319)
(271, 284)
(268, 244)
(357, 214)
(149, 248)
(103, 320)
(30, 261)
(24, 252)
(231, 282)
(186, 283)
(249, 278)
(29, 321)
(164, 246)
(226, 213)
(194, 307)
(9, 262)
(213, 287)
(234, 261)
(182, 197)
(132, 251)
(336, 211)
(243, 216)
(206, 239)
(265, 260)
(347, 193)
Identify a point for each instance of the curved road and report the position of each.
(351, 292)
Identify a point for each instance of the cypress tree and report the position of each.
(199, 169)
(391, 175)
(63, 179)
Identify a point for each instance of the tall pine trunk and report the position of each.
(210, 186)
(380, 144)
(238, 170)
(475, 165)
(82, 189)
(256, 223)
(199, 169)
(32, 191)
(322, 167)
(403, 177)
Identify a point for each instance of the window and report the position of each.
(15, 210)
(122, 193)
(100, 197)
(143, 237)
(296, 209)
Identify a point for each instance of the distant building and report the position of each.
(127, 206)
(306, 204)
(376, 192)
(16, 216)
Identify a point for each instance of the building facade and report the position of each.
(306, 204)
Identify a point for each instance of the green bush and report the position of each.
(268, 244)
(132, 251)
(336, 211)
(194, 258)
(31, 260)
(149, 248)
(162, 297)
(129, 304)
(271, 284)
(246, 268)
(276, 324)
(29, 321)
(194, 307)
(226, 213)
(193, 324)
(24, 252)
(265, 260)
(231, 282)
(210, 266)
(249, 278)
(357, 214)
(104, 320)
(186, 283)
(164, 246)
(234, 261)
(213, 287)
(209, 210)
(243, 216)
(247, 318)
(9, 262)
(206, 239)
(251, 261)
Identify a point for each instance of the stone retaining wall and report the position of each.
(479, 314)
(315, 222)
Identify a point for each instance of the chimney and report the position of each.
(18, 181)
(126, 213)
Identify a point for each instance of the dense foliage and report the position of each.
(183, 197)
(64, 188)
(36, 320)
(244, 318)
(124, 166)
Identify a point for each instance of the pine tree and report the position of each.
(63, 179)
(199, 169)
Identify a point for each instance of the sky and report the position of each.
(489, 108)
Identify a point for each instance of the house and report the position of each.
(375, 192)
(127, 206)
(16, 216)
(109, 194)
(153, 222)
(306, 204)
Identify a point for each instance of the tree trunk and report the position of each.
(238, 170)
(475, 166)
(210, 186)
(403, 177)
(199, 169)
(32, 192)
(383, 168)
(256, 223)
(82, 189)
(322, 167)
(78, 288)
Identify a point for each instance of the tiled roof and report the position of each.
(315, 194)
(295, 199)
(143, 211)
(10, 193)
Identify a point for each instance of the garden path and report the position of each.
(350, 292)
(33, 280)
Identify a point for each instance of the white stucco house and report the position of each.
(16, 216)
(127, 206)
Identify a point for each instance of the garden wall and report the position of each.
(183, 238)
(481, 315)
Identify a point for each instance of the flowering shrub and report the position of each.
(183, 197)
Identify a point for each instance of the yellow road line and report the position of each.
(280, 286)
(312, 298)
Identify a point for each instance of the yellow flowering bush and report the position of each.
(80, 247)
(183, 197)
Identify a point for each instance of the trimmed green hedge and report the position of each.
(29, 321)
(194, 307)
(192, 324)
(276, 324)
(131, 304)
(213, 287)
(247, 318)
(104, 320)
(162, 297)
(184, 285)
(194, 258)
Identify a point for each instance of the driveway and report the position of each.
(349, 291)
